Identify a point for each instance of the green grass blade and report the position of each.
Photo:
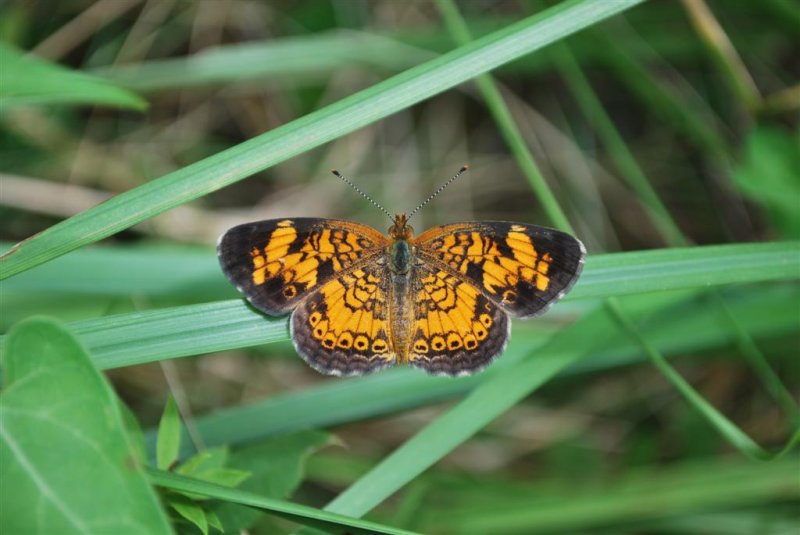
(766, 312)
(505, 123)
(30, 81)
(643, 494)
(331, 122)
(486, 402)
(302, 514)
(628, 167)
(139, 337)
(726, 428)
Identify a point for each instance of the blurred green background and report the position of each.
(672, 125)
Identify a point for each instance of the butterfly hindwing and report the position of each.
(456, 329)
(275, 263)
(343, 328)
(522, 268)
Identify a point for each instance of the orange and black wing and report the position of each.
(343, 328)
(276, 263)
(521, 268)
(456, 329)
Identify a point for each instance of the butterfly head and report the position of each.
(401, 230)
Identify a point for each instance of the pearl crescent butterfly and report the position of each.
(361, 301)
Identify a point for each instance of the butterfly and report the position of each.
(361, 300)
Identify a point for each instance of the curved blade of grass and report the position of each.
(139, 337)
(726, 428)
(628, 167)
(290, 57)
(488, 400)
(193, 272)
(766, 312)
(30, 81)
(309, 516)
(312, 130)
(505, 123)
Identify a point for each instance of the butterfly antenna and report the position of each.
(375, 204)
(438, 190)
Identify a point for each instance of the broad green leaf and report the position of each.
(329, 522)
(276, 466)
(30, 81)
(345, 116)
(134, 432)
(67, 465)
(169, 436)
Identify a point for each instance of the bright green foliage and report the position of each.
(62, 430)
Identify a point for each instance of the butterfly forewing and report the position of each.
(522, 268)
(275, 263)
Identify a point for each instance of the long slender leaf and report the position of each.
(347, 115)
(140, 337)
(486, 402)
(726, 428)
(178, 272)
(765, 313)
(303, 514)
(643, 494)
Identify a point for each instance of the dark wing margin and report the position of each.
(277, 262)
(522, 268)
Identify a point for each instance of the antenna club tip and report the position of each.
(336, 172)
(463, 168)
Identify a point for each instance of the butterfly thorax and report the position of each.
(400, 250)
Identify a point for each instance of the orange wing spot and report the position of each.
(329, 341)
(379, 346)
(527, 274)
(438, 343)
(542, 282)
(420, 346)
(486, 320)
(259, 276)
(285, 223)
(476, 249)
(314, 318)
(259, 261)
(543, 266)
(470, 342)
(289, 291)
(361, 342)
(454, 342)
(509, 296)
(345, 341)
(497, 273)
(320, 329)
(479, 330)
